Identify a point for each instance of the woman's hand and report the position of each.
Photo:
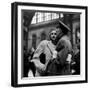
(42, 67)
(39, 65)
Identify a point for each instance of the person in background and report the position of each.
(31, 53)
(31, 70)
(25, 63)
(44, 53)
(76, 61)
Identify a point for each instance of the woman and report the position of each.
(46, 48)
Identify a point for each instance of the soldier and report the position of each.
(64, 49)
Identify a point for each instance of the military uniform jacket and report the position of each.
(64, 47)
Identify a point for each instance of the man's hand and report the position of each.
(69, 58)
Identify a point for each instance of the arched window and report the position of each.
(34, 39)
(43, 36)
(44, 16)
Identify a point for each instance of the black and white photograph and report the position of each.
(49, 44)
(50, 47)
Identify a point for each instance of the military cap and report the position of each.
(63, 27)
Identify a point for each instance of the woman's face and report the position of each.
(53, 35)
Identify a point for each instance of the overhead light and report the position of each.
(61, 15)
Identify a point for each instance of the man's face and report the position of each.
(53, 35)
(59, 31)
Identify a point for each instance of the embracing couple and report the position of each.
(56, 53)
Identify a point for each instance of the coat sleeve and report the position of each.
(39, 50)
(36, 59)
(60, 45)
(62, 51)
